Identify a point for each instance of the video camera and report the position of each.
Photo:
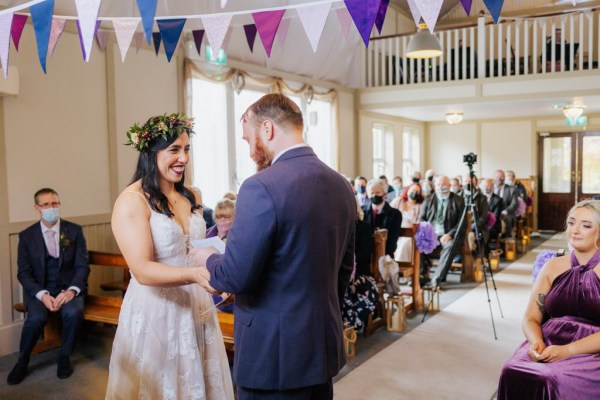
(470, 159)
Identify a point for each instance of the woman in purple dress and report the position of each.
(561, 357)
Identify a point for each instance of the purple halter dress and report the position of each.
(573, 307)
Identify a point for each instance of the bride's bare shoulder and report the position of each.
(132, 198)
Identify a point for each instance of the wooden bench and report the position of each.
(378, 319)
(410, 270)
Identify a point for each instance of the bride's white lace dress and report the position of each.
(166, 345)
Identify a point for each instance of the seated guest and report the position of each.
(224, 215)
(443, 211)
(409, 204)
(510, 201)
(397, 185)
(430, 175)
(455, 186)
(471, 189)
(361, 294)
(391, 193)
(427, 189)
(381, 216)
(416, 177)
(561, 357)
(519, 187)
(360, 183)
(230, 195)
(53, 269)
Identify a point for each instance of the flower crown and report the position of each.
(165, 126)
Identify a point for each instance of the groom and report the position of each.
(289, 257)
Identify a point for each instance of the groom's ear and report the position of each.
(268, 127)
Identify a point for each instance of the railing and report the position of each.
(517, 47)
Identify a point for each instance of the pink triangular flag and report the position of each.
(216, 28)
(313, 20)
(5, 29)
(124, 31)
(345, 20)
(102, 39)
(18, 24)
(58, 25)
(139, 40)
(282, 31)
(267, 23)
(430, 11)
(414, 10)
(87, 11)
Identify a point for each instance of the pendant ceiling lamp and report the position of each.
(423, 44)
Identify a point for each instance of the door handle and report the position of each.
(572, 176)
(579, 177)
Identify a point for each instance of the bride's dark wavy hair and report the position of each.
(147, 171)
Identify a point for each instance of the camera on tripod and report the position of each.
(470, 159)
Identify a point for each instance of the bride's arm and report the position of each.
(131, 228)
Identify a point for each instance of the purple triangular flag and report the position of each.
(250, 31)
(102, 39)
(16, 29)
(381, 15)
(363, 14)
(170, 31)
(83, 51)
(147, 11)
(156, 39)
(467, 6)
(345, 20)
(5, 27)
(41, 17)
(267, 23)
(198, 36)
(138, 37)
(494, 7)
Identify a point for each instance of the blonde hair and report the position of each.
(225, 206)
(594, 207)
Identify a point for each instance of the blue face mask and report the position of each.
(361, 189)
(397, 187)
(50, 215)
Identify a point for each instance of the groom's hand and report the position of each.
(202, 254)
(203, 278)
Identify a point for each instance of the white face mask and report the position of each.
(50, 215)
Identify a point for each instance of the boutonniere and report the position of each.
(64, 241)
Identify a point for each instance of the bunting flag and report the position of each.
(282, 31)
(363, 14)
(102, 39)
(313, 21)
(216, 29)
(5, 28)
(156, 39)
(147, 11)
(223, 3)
(467, 6)
(16, 30)
(85, 54)
(430, 11)
(41, 17)
(380, 18)
(198, 36)
(414, 10)
(267, 23)
(494, 7)
(250, 31)
(87, 12)
(345, 20)
(139, 40)
(58, 25)
(170, 31)
(124, 31)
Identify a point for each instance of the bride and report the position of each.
(168, 344)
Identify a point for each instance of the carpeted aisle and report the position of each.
(453, 355)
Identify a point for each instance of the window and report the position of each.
(411, 151)
(221, 159)
(383, 150)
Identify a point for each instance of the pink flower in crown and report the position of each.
(190, 123)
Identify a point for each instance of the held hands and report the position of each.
(202, 275)
(445, 239)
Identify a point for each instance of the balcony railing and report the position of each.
(533, 46)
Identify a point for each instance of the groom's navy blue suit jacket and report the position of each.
(289, 256)
(73, 259)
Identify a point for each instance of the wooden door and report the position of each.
(569, 171)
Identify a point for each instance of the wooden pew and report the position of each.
(410, 269)
(375, 322)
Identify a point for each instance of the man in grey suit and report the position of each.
(443, 211)
(288, 260)
(510, 201)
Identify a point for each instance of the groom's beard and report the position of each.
(262, 155)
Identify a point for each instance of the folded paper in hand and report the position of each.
(212, 241)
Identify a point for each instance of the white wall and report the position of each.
(446, 146)
(346, 125)
(508, 145)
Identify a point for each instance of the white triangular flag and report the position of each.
(223, 3)
(216, 29)
(87, 11)
(414, 10)
(5, 26)
(313, 20)
(124, 31)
